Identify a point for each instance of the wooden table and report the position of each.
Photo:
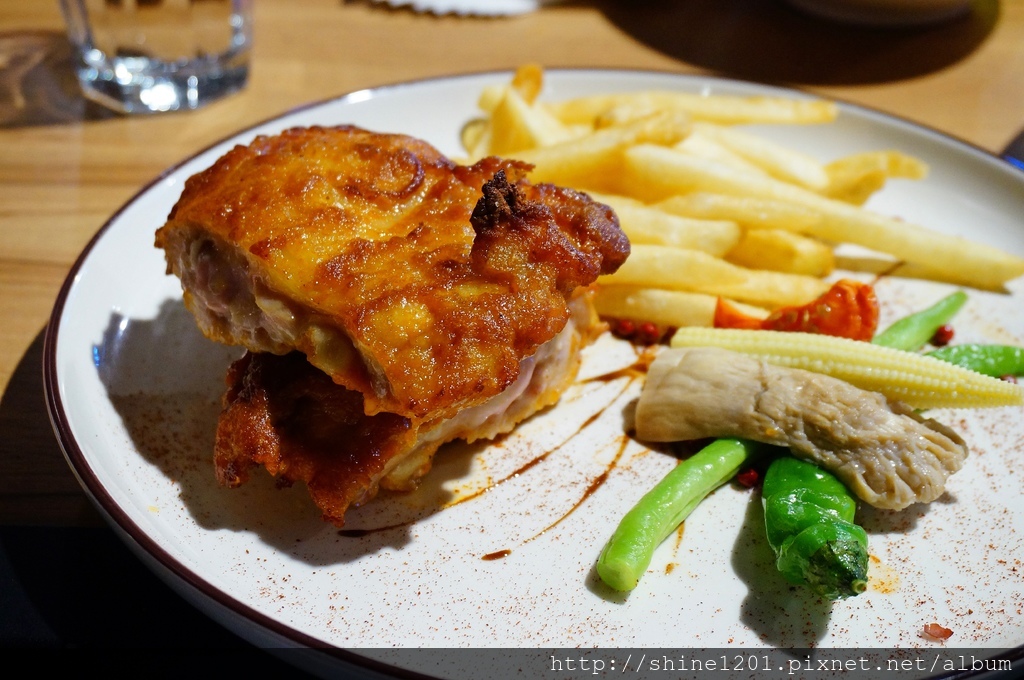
(65, 167)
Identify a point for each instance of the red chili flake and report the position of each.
(648, 333)
(748, 478)
(934, 630)
(624, 328)
(943, 335)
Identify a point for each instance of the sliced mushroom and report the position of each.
(884, 452)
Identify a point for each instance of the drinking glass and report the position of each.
(149, 56)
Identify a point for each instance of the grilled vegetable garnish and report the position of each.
(849, 309)
(997, 361)
(883, 451)
(808, 515)
(629, 551)
(917, 380)
(912, 332)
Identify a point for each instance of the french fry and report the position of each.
(856, 190)
(527, 81)
(516, 125)
(647, 225)
(782, 251)
(882, 265)
(692, 270)
(747, 211)
(855, 178)
(725, 109)
(513, 122)
(594, 161)
(663, 307)
(622, 145)
(653, 173)
(490, 96)
(475, 137)
(621, 114)
(701, 145)
(892, 163)
(777, 160)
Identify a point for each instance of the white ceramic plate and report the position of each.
(133, 391)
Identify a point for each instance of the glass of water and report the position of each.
(149, 56)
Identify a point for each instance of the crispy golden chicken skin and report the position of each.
(283, 413)
(416, 282)
(390, 299)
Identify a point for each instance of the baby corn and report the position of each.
(917, 380)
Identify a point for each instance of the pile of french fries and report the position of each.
(713, 210)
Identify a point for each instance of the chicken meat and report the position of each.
(450, 301)
(283, 413)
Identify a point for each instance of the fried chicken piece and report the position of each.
(375, 256)
(284, 414)
(390, 299)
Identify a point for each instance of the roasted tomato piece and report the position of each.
(849, 309)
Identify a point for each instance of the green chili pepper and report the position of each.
(808, 516)
(993, 360)
(629, 551)
(913, 332)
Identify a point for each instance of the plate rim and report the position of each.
(147, 548)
